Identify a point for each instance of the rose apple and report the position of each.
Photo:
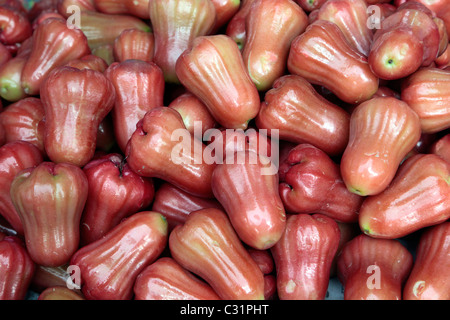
(383, 130)
(139, 87)
(115, 192)
(176, 23)
(257, 215)
(207, 245)
(166, 279)
(110, 265)
(418, 197)
(134, 44)
(213, 69)
(49, 199)
(373, 269)
(15, 156)
(75, 103)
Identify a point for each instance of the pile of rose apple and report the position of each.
(349, 100)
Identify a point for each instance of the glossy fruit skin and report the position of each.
(428, 279)
(302, 115)
(309, 5)
(279, 21)
(225, 11)
(10, 79)
(441, 147)
(383, 130)
(135, 8)
(154, 151)
(208, 246)
(89, 61)
(139, 87)
(351, 16)
(427, 92)
(166, 279)
(15, 25)
(364, 257)
(134, 44)
(23, 120)
(75, 103)
(232, 98)
(176, 23)
(311, 182)
(17, 269)
(14, 157)
(236, 27)
(257, 215)
(322, 55)
(421, 49)
(418, 197)
(62, 6)
(192, 109)
(115, 192)
(99, 30)
(54, 44)
(387, 57)
(303, 256)
(59, 293)
(110, 265)
(176, 204)
(49, 199)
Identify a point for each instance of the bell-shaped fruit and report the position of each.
(138, 8)
(16, 269)
(373, 269)
(351, 16)
(302, 115)
(383, 130)
(50, 199)
(134, 44)
(195, 114)
(176, 23)
(10, 79)
(75, 103)
(166, 279)
(110, 265)
(418, 197)
(102, 29)
(303, 256)
(115, 192)
(257, 215)
(14, 25)
(427, 92)
(213, 69)
(311, 182)
(429, 279)
(23, 120)
(270, 29)
(176, 204)
(54, 44)
(407, 39)
(208, 246)
(323, 56)
(15, 156)
(162, 147)
(139, 87)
